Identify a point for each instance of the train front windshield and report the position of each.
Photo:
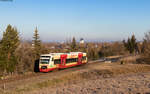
(44, 59)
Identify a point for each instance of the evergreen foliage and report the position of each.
(131, 44)
(36, 44)
(8, 45)
(73, 44)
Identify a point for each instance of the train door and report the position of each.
(80, 58)
(63, 60)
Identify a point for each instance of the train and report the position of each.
(54, 61)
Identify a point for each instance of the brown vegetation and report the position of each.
(94, 51)
(145, 50)
(97, 71)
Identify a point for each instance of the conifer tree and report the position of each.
(36, 44)
(131, 44)
(9, 43)
(73, 44)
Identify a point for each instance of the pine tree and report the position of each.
(9, 43)
(36, 44)
(131, 44)
(134, 44)
(73, 44)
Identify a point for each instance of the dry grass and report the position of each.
(131, 59)
(95, 72)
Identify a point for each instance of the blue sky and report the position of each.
(93, 20)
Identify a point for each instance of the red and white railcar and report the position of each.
(49, 62)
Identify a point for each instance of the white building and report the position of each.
(81, 41)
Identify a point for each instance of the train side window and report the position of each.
(71, 60)
(68, 61)
(84, 58)
(57, 61)
(76, 59)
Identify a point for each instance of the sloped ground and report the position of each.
(96, 78)
(124, 84)
(126, 79)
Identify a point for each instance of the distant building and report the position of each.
(81, 41)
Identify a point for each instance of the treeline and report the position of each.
(18, 56)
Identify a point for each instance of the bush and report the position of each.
(25, 57)
(145, 56)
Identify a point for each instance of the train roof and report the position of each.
(56, 54)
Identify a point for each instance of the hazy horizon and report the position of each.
(93, 20)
